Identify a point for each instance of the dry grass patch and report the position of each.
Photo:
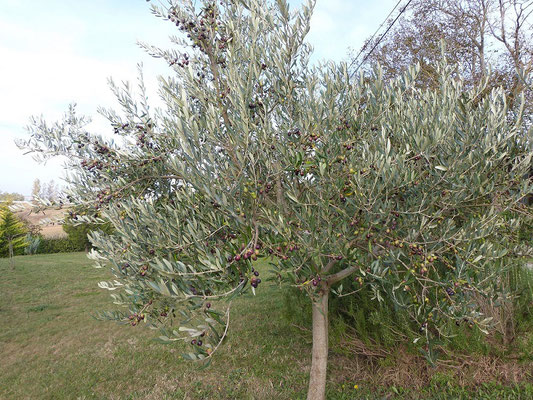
(47, 220)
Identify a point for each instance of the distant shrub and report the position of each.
(58, 245)
(78, 232)
(33, 243)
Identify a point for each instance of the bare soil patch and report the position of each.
(48, 220)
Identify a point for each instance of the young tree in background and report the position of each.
(36, 190)
(50, 191)
(257, 154)
(12, 234)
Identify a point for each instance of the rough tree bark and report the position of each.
(319, 364)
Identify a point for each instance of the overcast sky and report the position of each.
(57, 52)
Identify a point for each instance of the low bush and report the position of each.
(33, 242)
(79, 233)
(59, 245)
(362, 324)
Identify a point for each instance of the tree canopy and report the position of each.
(257, 154)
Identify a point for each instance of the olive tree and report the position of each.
(257, 154)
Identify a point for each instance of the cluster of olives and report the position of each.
(146, 162)
(182, 61)
(348, 146)
(313, 137)
(252, 190)
(143, 270)
(73, 215)
(281, 252)
(121, 127)
(343, 124)
(141, 139)
(102, 149)
(92, 165)
(296, 132)
(104, 197)
(416, 249)
(199, 32)
(198, 342)
(267, 188)
(245, 255)
(316, 281)
(136, 318)
(300, 172)
(255, 281)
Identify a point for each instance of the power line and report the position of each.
(382, 36)
(375, 33)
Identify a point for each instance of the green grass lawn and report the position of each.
(51, 347)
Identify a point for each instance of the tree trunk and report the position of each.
(319, 364)
(11, 259)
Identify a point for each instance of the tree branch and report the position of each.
(329, 265)
(341, 275)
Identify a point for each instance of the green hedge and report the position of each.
(59, 245)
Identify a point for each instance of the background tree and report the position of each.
(36, 190)
(478, 34)
(12, 234)
(50, 191)
(9, 197)
(256, 154)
